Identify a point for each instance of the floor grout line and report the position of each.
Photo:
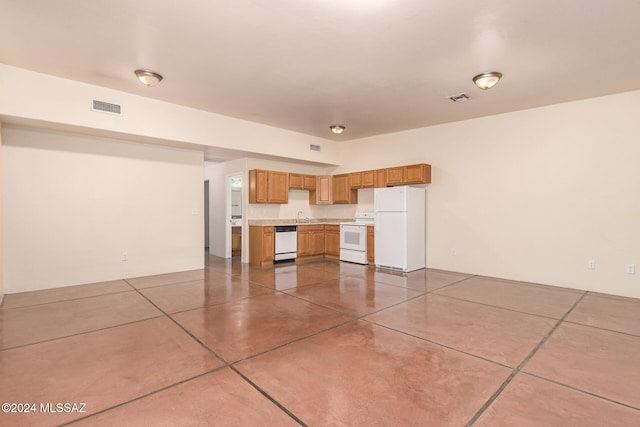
(151, 393)
(573, 322)
(167, 315)
(224, 361)
(159, 315)
(519, 369)
(522, 364)
(293, 341)
(457, 350)
(268, 396)
(64, 300)
(513, 310)
(580, 390)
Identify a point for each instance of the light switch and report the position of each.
(194, 211)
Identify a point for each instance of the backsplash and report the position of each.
(299, 201)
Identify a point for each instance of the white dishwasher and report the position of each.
(286, 243)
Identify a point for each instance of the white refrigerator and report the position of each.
(400, 239)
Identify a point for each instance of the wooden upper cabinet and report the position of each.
(299, 181)
(309, 182)
(273, 187)
(395, 176)
(342, 191)
(368, 179)
(362, 179)
(295, 181)
(380, 178)
(355, 179)
(257, 186)
(278, 187)
(268, 186)
(323, 193)
(411, 174)
(417, 174)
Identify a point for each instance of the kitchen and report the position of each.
(317, 220)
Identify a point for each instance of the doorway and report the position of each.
(234, 216)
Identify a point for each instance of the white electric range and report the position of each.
(353, 238)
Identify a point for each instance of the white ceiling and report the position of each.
(375, 66)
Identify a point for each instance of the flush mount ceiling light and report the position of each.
(487, 80)
(148, 77)
(337, 129)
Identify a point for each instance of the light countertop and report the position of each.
(312, 221)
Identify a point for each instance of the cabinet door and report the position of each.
(367, 180)
(268, 245)
(309, 182)
(278, 187)
(355, 180)
(417, 174)
(380, 178)
(257, 186)
(323, 194)
(332, 240)
(303, 242)
(261, 245)
(395, 176)
(341, 188)
(316, 242)
(296, 181)
(342, 191)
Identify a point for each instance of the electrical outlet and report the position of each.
(630, 269)
(591, 264)
(125, 256)
(454, 252)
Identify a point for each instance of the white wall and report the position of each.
(74, 203)
(27, 96)
(530, 195)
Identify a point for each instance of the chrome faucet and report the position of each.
(298, 219)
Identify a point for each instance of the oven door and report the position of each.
(353, 237)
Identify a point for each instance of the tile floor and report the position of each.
(319, 343)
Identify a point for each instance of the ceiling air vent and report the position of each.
(314, 147)
(105, 107)
(459, 98)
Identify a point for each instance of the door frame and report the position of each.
(227, 233)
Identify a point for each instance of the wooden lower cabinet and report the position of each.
(332, 241)
(314, 241)
(261, 245)
(310, 240)
(236, 241)
(370, 244)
